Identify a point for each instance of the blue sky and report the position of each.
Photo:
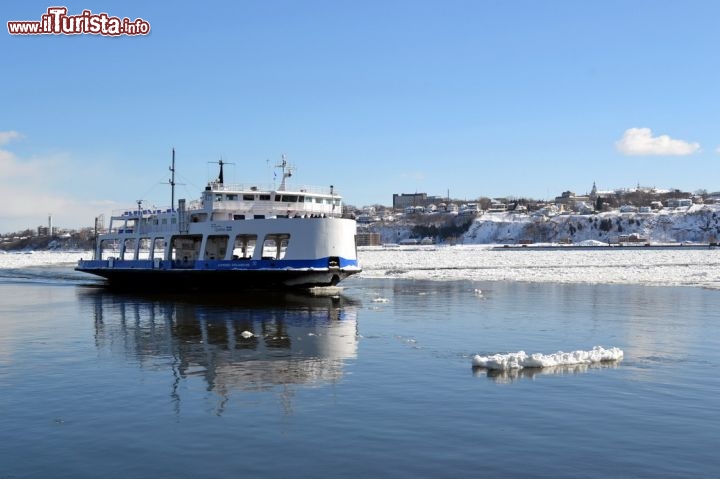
(481, 98)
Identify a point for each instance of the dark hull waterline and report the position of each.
(216, 281)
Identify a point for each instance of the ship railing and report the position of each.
(252, 188)
(134, 212)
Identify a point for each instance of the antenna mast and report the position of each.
(287, 171)
(172, 182)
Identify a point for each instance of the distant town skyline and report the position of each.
(517, 98)
(622, 198)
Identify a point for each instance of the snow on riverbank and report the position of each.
(662, 267)
(698, 223)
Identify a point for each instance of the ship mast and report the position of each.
(221, 177)
(172, 182)
(285, 174)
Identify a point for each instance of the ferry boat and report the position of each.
(234, 237)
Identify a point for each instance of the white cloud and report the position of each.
(29, 192)
(8, 136)
(639, 141)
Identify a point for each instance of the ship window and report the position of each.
(275, 246)
(238, 217)
(264, 197)
(218, 197)
(244, 247)
(128, 252)
(109, 249)
(185, 250)
(158, 248)
(144, 249)
(289, 198)
(216, 247)
(232, 197)
(309, 199)
(278, 197)
(248, 197)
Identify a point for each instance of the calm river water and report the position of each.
(375, 382)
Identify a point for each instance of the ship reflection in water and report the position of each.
(246, 343)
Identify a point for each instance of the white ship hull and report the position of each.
(234, 238)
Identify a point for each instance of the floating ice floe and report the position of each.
(247, 334)
(380, 300)
(520, 360)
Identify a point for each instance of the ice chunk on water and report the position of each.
(520, 359)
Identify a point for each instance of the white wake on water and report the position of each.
(521, 360)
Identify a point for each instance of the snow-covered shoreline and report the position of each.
(697, 223)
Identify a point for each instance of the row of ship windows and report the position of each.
(187, 248)
(130, 225)
(278, 198)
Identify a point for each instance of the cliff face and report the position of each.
(699, 223)
(696, 224)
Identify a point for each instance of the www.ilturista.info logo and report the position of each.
(57, 22)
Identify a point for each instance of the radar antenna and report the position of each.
(221, 177)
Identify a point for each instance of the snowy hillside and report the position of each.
(698, 223)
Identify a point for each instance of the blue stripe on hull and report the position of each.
(219, 275)
(215, 265)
